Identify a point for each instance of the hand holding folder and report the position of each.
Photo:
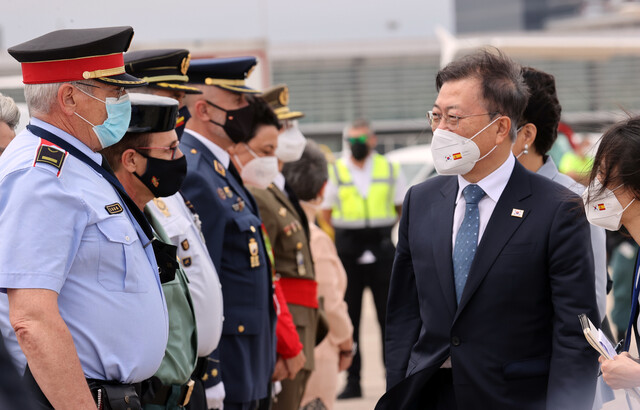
(601, 343)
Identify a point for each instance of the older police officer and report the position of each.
(84, 294)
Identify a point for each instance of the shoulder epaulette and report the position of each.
(51, 154)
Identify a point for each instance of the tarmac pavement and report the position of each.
(373, 375)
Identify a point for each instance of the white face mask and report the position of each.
(454, 154)
(260, 171)
(291, 144)
(603, 210)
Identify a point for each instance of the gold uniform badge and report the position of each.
(254, 259)
(219, 168)
(162, 207)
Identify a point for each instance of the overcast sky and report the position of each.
(279, 21)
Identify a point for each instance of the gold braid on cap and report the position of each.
(108, 72)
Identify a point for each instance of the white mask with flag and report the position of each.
(602, 207)
(454, 154)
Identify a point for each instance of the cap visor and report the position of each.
(239, 89)
(291, 115)
(174, 86)
(122, 80)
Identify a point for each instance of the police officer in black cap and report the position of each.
(165, 72)
(149, 164)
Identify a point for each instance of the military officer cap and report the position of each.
(278, 99)
(152, 113)
(227, 73)
(161, 68)
(77, 54)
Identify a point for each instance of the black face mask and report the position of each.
(163, 177)
(181, 122)
(238, 124)
(359, 150)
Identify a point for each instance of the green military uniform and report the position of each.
(181, 353)
(292, 254)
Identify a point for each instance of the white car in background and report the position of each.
(415, 161)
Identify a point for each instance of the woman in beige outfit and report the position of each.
(307, 177)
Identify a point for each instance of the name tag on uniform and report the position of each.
(114, 208)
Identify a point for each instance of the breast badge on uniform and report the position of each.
(282, 211)
(300, 260)
(186, 262)
(221, 194)
(114, 208)
(227, 191)
(162, 207)
(239, 205)
(50, 154)
(185, 244)
(219, 168)
(254, 259)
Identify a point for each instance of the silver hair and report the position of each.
(307, 175)
(41, 97)
(9, 112)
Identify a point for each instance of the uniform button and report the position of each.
(194, 151)
(455, 340)
(299, 245)
(214, 372)
(126, 238)
(253, 228)
(241, 329)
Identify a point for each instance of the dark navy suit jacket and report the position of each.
(232, 232)
(514, 340)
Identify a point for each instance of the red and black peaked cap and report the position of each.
(75, 55)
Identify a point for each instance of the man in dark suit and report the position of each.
(493, 265)
(231, 225)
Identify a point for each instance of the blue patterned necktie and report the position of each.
(467, 238)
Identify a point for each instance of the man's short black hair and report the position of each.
(503, 88)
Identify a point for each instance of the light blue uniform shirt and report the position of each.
(58, 235)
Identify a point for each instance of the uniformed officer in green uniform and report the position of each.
(287, 228)
(149, 164)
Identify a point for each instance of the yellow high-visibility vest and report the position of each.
(352, 211)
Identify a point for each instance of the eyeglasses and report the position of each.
(452, 121)
(173, 149)
(359, 139)
(121, 91)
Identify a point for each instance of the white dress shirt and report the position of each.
(219, 152)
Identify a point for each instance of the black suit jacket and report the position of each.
(515, 340)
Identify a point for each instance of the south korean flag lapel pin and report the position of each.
(517, 213)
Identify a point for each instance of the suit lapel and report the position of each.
(500, 228)
(441, 215)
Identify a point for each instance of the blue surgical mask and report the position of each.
(112, 130)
